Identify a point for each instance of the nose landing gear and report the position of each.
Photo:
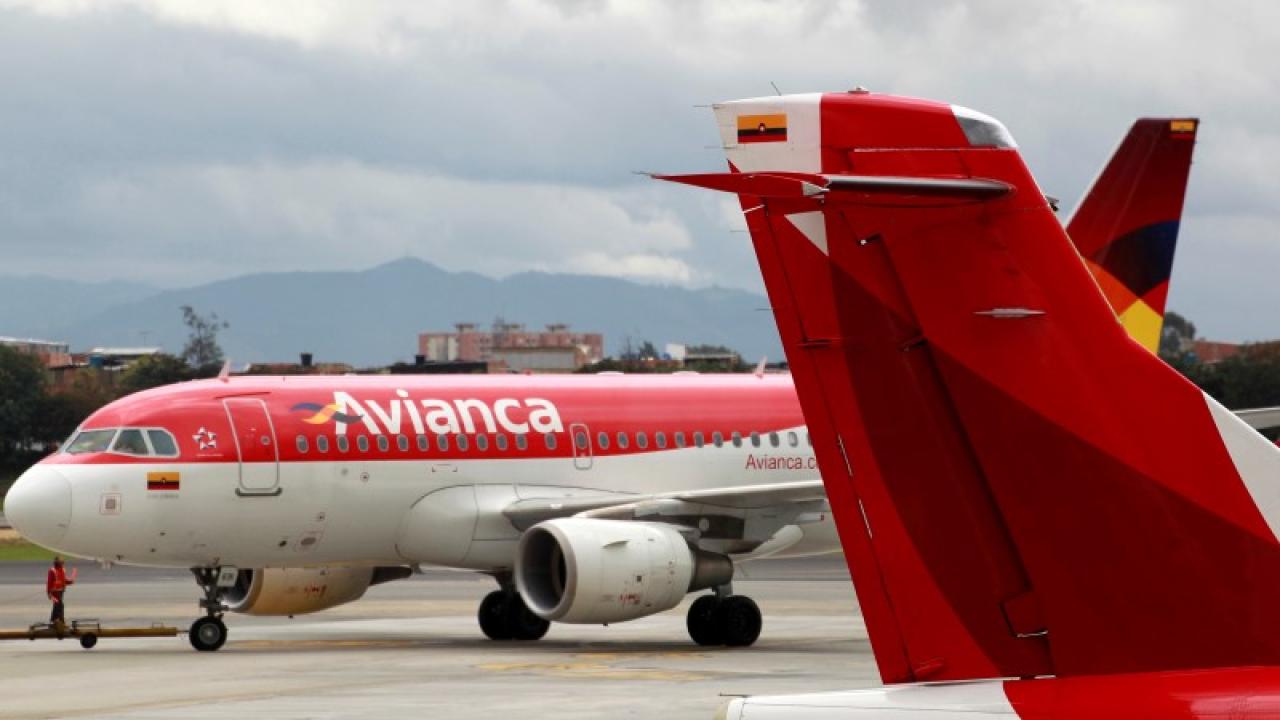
(209, 633)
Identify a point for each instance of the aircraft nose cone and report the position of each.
(39, 505)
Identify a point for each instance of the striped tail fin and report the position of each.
(1126, 226)
(1005, 509)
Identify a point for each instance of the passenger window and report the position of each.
(580, 439)
(482, 442)
(697, 439)
(755, 439)
(522, 443)
(424, 444)
(130, 442)
(737, 439)
(383, 443)
(642, 440)
(622, 441)
(680, 439)
(501, 441)
(343, 444)
(603, 440)
(773, 439)
(717, 438)
(402, 442)
(362, 442)
(792, 439)
(442, 442)
(302, 444)
(322, 444)
(90, 441)
(162, 442)
(463, 443)
(660, 438)
(550, 440)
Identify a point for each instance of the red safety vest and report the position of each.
(57, 581)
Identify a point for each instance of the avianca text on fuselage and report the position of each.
(518, 416)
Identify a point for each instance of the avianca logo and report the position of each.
(464, 415)
(325, 413)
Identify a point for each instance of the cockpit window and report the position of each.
(90, 441)
(130, 442)
(162, 442)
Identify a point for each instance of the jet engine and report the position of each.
(296, 591)
(584, 570)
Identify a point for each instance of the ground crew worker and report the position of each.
(55, 586)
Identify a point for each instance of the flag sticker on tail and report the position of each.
(163, 480)
(762, 128)
(1182, 128)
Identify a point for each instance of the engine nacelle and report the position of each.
(296, 591)
(583, 570)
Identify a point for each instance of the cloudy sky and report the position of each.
(179, 141)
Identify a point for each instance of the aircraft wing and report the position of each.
(1260, 418)
(735, 519)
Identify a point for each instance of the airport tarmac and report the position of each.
(413, 649)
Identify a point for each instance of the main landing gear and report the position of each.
(504, 616)
(724, 619)
(209, 633)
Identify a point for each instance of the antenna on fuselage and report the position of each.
(225, 373)
(759, 372)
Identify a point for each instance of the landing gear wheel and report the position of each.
(521, 621)
(495, 621)
(88, 640)
(738, 618)
(207, 634)
(702, 623)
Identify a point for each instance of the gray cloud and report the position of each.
(176, 141)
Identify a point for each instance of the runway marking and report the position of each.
(596, 671)
(321, 644)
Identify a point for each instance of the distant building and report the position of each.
(541, 359)
(51, 353)
(712, 361)
(555, 349)
(1210, 352)
(119, 357)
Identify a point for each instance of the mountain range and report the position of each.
(373, 317)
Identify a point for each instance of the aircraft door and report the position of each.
(255, 440)
(580, 436)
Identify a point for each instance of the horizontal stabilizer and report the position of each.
(802, 185)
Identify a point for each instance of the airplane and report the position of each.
(294, 495)
(590, 499)
(1045, 520)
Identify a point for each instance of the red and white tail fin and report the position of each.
(1126, 226)
(1006, 510)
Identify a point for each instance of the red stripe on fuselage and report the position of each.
(704, 404)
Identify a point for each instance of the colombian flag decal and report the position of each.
(167, 480)
(762, 128)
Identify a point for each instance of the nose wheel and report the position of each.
(733, 620)
(503, 615)
(209, 633)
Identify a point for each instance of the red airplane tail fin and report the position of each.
(1005, 509)
(1126, 226)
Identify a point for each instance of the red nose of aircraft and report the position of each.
(39, 505)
